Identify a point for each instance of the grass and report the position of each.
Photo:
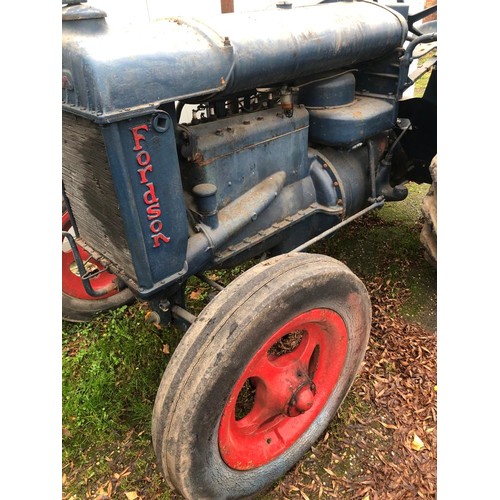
(111, 370)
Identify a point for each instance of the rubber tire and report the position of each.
(428, 235)
(77, 310)
(214, 353)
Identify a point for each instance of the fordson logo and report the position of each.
(153, 209)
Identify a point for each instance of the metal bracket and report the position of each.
(84, 275)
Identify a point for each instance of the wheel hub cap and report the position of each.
(301, 401)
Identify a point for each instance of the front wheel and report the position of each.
(259, 375)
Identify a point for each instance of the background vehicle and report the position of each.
(296, 130)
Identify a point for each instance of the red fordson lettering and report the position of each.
(152, 202)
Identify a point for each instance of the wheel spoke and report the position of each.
(265, 410)
(274, 386)
(304, 352)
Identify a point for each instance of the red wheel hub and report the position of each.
(71, 283)
(283, 389)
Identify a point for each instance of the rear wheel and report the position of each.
(428, 235)
(77, 304)
(259, 375)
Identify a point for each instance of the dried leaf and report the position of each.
(417, 444)
(196, 294)
(166, 349)
(387, 426)
(131, 495)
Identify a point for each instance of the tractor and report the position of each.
(193, 144)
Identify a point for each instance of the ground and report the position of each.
(382, 443)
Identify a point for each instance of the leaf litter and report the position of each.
(368, 451)
(383, 442)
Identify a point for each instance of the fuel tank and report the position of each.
(112, 73)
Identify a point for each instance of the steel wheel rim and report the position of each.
(289, 390)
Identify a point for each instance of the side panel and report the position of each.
(143, 161)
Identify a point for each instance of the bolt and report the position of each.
(259, 118)
(218, 131)
(340, 201)
(325, 165)
(246, 122)
(164, 305)
(227, 42)
(335, 183)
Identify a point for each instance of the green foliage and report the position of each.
(421, 84)
(111, 369)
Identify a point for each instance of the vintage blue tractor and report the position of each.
(296, 126)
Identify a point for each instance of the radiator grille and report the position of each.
(90, 190)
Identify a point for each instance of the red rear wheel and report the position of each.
(259, 375)
(77, 304)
